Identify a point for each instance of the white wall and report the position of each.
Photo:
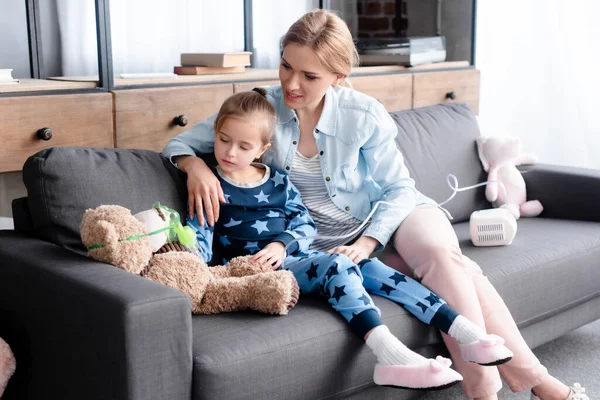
(538, 62)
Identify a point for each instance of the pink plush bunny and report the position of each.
(500, 157)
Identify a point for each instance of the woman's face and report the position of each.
(303, 79)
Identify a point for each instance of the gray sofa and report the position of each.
(84, 329)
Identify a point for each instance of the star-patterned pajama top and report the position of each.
(254, 215)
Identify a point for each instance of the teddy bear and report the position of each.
(114, 236)
(500, 157)
(7, 365)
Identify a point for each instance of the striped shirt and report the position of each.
(330, 220)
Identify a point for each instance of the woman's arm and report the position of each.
(198, 140)
(204, 189)
(386, 165)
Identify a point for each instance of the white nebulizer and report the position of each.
(492, 227)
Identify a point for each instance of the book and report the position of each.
(200, 70)
(233, 59)
(6, 77)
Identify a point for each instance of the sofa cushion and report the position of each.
(62, 182)
(551, 266)
(441, 140)
(308, 354)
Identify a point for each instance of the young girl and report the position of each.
(263, 213)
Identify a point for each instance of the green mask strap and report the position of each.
(185, 234)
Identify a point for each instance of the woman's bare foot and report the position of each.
(551, 389)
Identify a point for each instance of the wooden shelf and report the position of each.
(252, 74)
(33, 85)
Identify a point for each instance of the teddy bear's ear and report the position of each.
(480, 150)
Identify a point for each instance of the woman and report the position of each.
(331, 140)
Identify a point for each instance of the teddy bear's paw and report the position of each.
(295, 294)
(289, 289)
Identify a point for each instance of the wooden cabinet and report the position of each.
(29, 124)
(437, 87)
(148, 118)
(393, 91)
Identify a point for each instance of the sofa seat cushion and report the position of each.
(309, 353)
(551, 266)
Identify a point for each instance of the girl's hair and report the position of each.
(252, 106)
(328, 36)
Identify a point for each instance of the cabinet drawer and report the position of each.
(145, 118)
(245, 86)
(393, 91)
(438, 87)
(74, 120)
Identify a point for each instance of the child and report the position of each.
(263, 213)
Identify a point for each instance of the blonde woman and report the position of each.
(330, 139)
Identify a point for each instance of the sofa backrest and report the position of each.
(440, 140)
(62, 182)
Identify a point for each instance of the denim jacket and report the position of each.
(360, 162)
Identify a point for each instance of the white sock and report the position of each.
(389, 350)
(465, 331)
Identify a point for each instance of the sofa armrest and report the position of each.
(93, 331)
(565, 192)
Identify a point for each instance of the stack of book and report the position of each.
(213, 63)
(6, 77)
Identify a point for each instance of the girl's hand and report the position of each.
(203, 188)
(359, 250)
(271, 254)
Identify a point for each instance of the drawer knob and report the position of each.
(44, 133)
(180, 120)
(451, 95)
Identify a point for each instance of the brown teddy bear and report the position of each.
(113, 235)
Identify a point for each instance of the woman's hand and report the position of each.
(203, 189)
(271, 254)
(359, 250)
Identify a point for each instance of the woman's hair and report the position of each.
(328, 36)
(253, 107)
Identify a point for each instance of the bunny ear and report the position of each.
(480, 145)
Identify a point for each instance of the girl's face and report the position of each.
(303, 79)
(237, 144)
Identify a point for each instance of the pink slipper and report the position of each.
(487, 351)
(431, 375)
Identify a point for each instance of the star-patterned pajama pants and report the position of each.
(347, 285)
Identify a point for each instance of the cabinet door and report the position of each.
(446, 86)
(393, 91)
(33, 123)
(148, 118)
